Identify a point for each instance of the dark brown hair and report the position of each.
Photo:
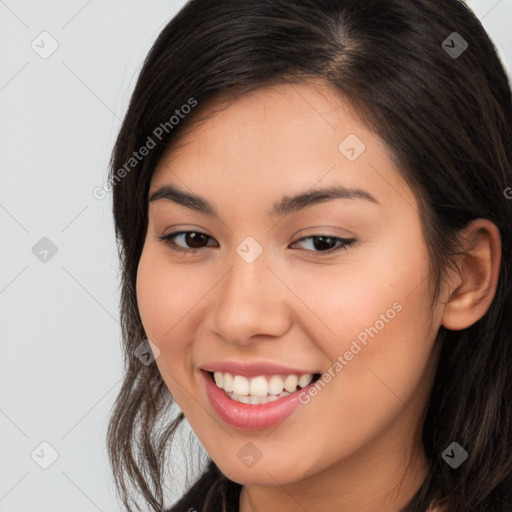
(445, 112)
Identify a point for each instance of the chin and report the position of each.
(263, 472)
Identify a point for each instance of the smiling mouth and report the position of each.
(261, 389)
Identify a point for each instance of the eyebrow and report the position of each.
(285, 206)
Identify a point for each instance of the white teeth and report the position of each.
(227, 382)
(258, 386)
(275, 385)
(218, 379)
(304, 380)
(291, 382)
(256, 399)
(266, 388)
(240, 385)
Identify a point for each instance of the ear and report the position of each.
(473, 287)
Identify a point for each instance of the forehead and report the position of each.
(286, 136)
(285, 110)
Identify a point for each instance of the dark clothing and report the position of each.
(220, 488)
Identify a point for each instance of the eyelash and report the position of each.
(345, 243)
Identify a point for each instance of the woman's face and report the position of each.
(261, 288)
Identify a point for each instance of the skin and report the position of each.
(350, 446)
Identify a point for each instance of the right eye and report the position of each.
(190, 237)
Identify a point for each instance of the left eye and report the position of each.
(196, 238)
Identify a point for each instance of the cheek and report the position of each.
(383, 288)
(374, 315)
(385, 360)
(164, 294)
(151, 300)
(164, 297)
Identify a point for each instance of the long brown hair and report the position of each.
(426, 77)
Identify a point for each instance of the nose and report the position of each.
(250, 303)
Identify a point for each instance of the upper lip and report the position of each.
(253, 369)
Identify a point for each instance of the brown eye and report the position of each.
(195, 241)
(325, 244)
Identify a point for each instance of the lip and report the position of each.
(251, 416)
(254, 369)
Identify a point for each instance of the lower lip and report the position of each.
(251, 416)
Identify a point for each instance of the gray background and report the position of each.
(60, 359)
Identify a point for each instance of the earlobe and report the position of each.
(477, 279)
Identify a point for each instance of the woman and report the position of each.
(311, 204)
